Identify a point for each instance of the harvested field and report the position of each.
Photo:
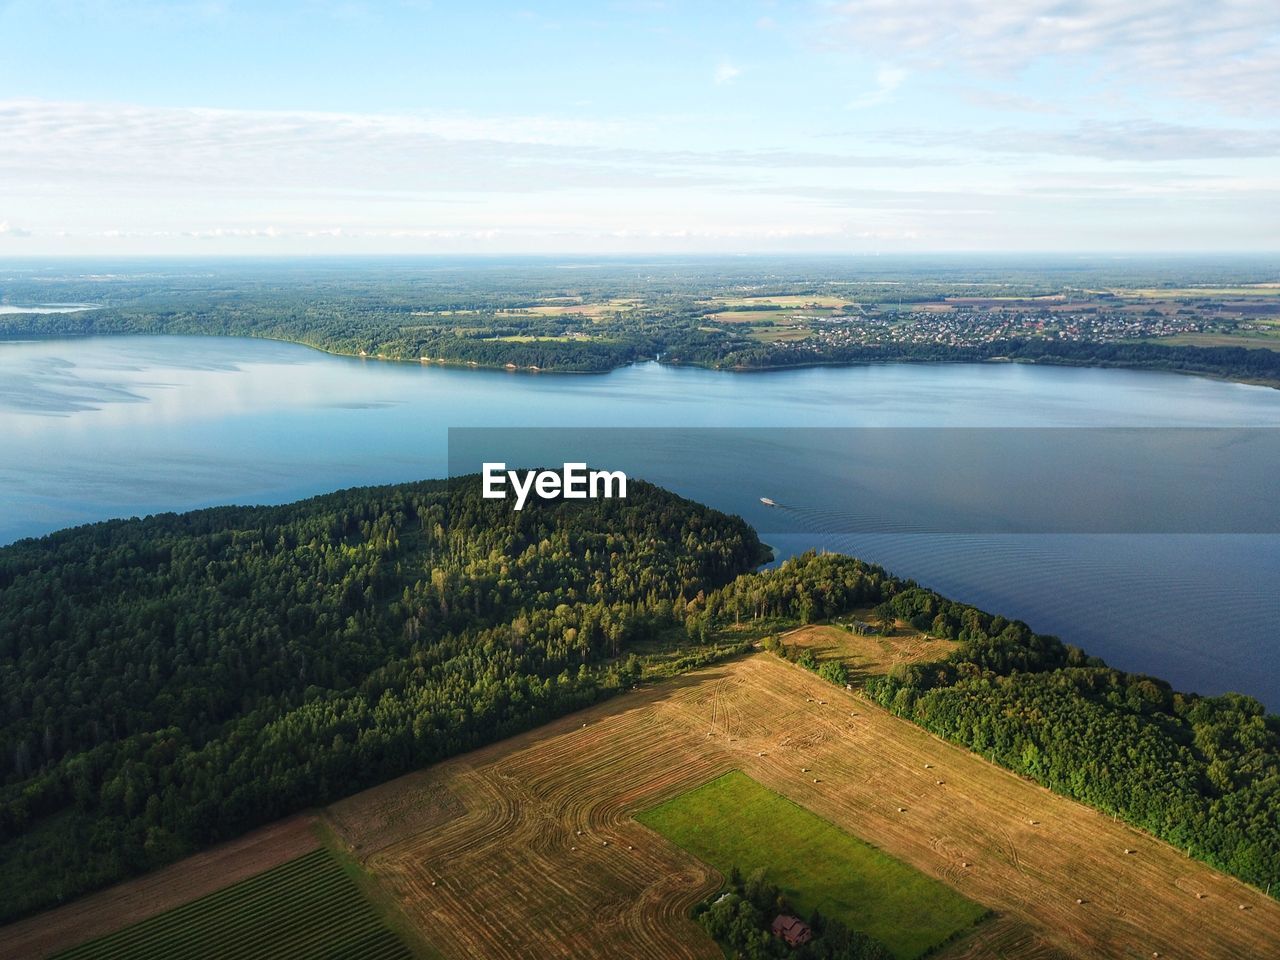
(128, 903)
(548, 851)
(395, 811)
(530, 846)
(305, 908)
(1002, 938)
(565, 308)
(748, 316)
(785, 300)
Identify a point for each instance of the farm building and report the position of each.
(792, 929)
(862, 627)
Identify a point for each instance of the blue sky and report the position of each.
(867, 126)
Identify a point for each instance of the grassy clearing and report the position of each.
(308, 907)
(779, 334)
(1264, 341)
(733, 821)
(870, 655)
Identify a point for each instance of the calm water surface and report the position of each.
(109, 427)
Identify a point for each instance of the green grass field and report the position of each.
(733, 821)
(305, 908)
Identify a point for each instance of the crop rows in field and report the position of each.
(306, 908)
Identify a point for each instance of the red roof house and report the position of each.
(791, 929)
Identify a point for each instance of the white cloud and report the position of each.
(888, 80)
(1143, 140)
(114, 147)
(128, 178)
(110, 149)
(1223, 52)
(726, 72)
(9, 230)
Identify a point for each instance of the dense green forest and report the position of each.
(1202, 773)
(494, 312)
(170, 682)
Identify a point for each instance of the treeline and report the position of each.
(1202, 773)
(1228, 363)
(740, 918)
(171, 682)
(567, 343)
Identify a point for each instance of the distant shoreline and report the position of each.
(531, 370)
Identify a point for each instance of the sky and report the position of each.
(430, 126)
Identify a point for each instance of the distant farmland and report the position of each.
(734, 822)
(305, 908)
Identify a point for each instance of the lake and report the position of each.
(108, 427)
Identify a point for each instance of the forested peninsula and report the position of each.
(171, 682)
